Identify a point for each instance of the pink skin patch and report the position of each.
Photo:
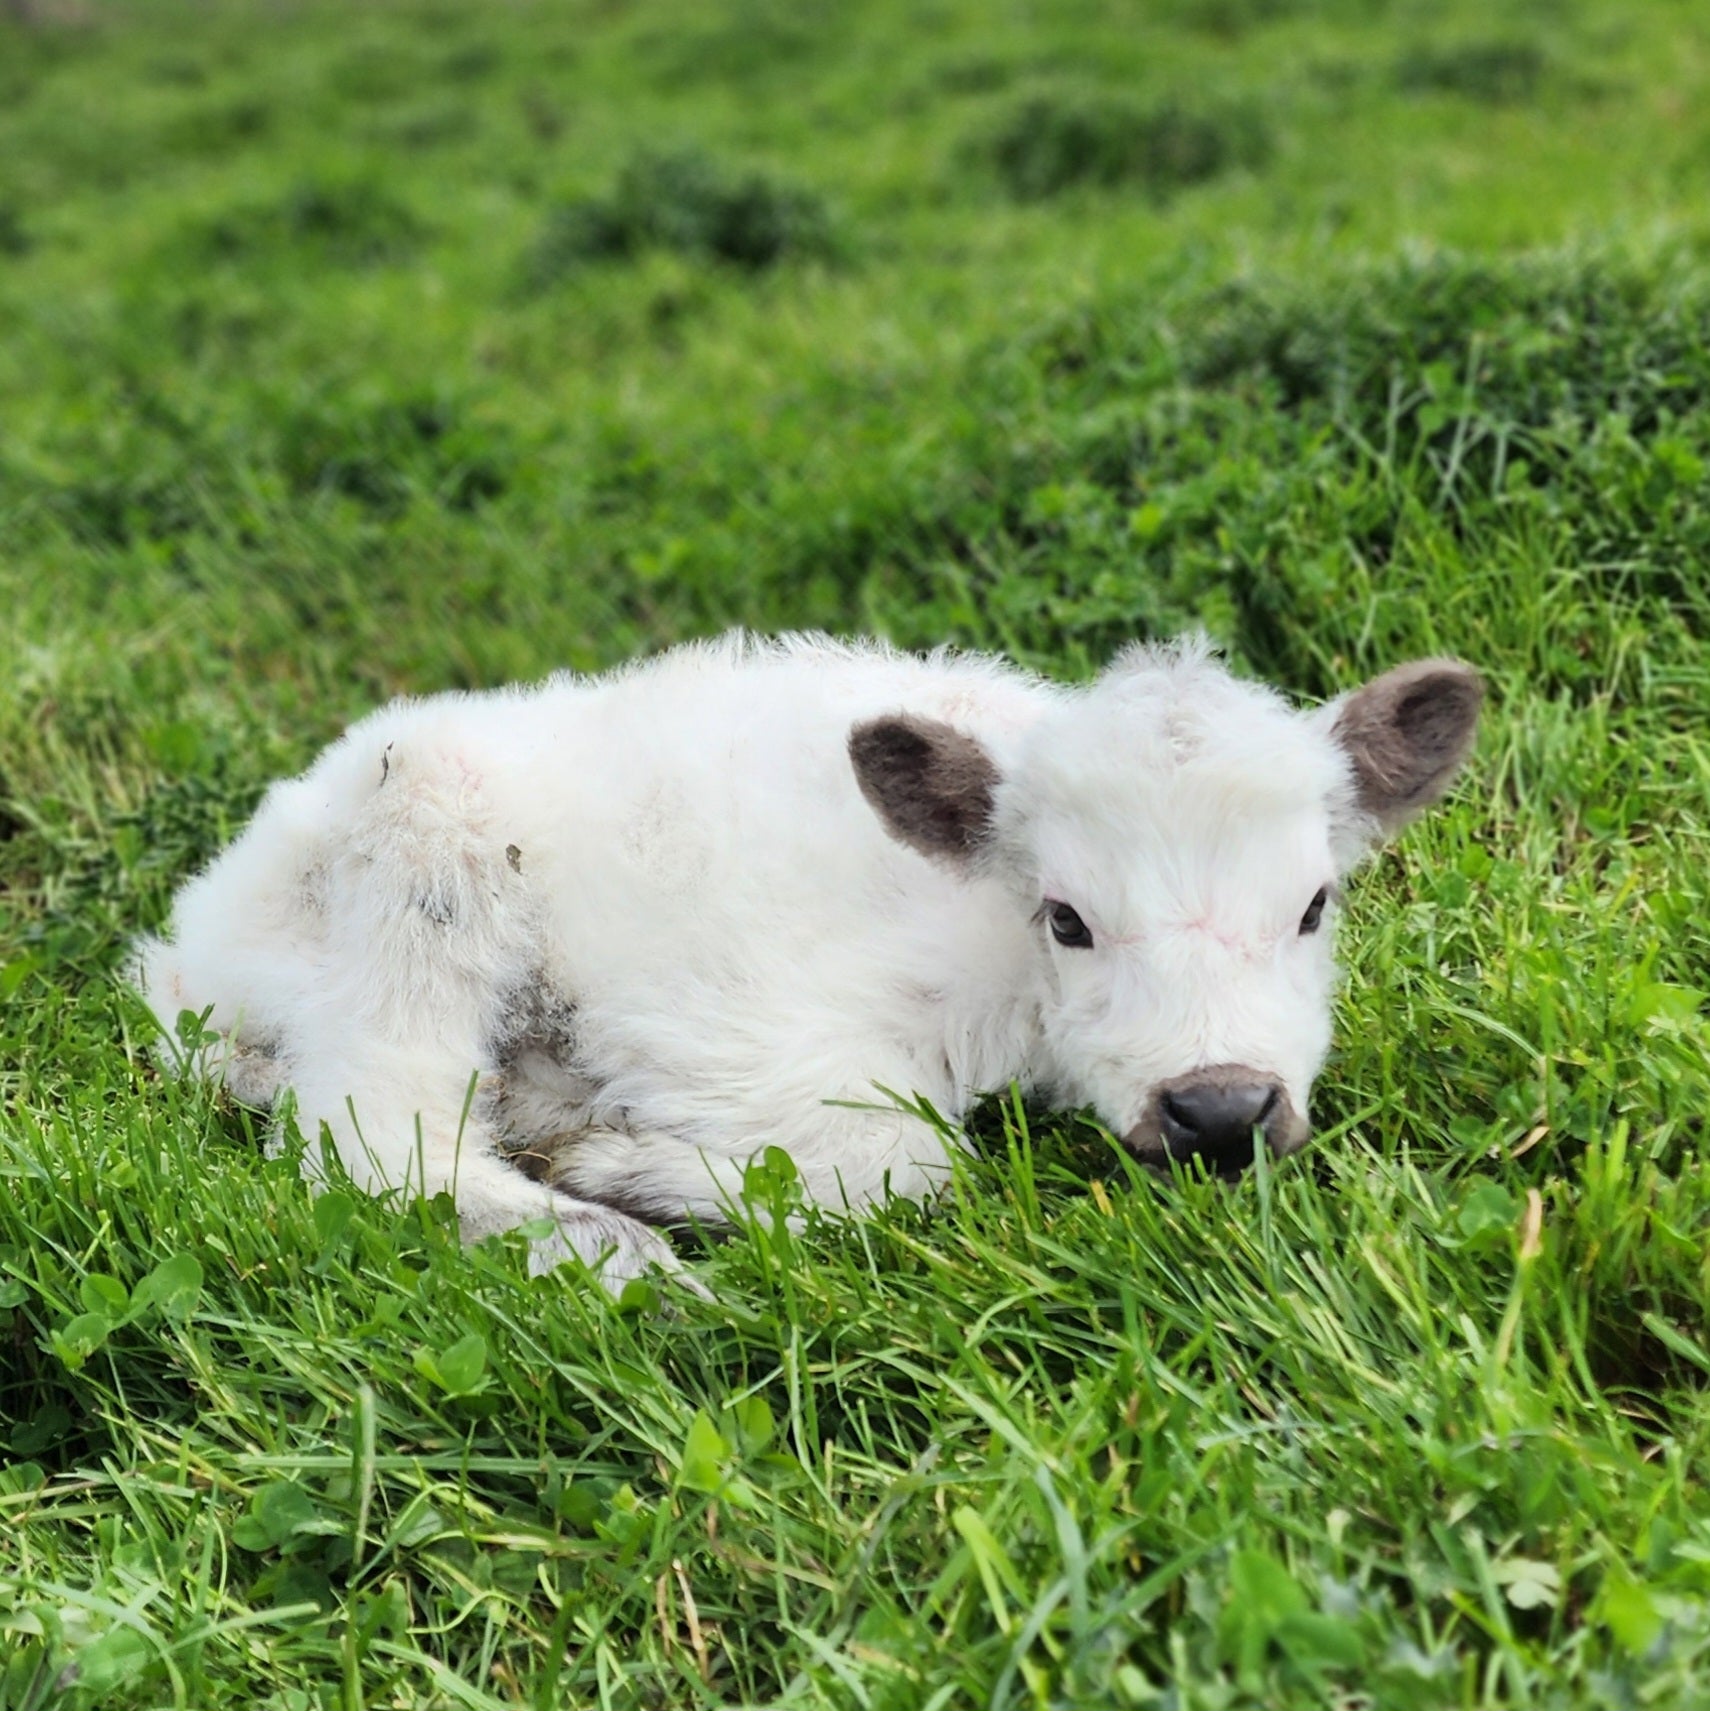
(1232, 941)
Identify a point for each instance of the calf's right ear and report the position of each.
(929, 783)
(1407, 734)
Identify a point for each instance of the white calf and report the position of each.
(580, 951)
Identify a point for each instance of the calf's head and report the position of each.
(1174, 841)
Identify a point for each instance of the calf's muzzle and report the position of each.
(1210, 1114)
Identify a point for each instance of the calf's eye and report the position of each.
(1315, 910)
(1067, 928)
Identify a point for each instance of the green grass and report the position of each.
(355, 350)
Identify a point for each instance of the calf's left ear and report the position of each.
(930, 783)
(1407, 734)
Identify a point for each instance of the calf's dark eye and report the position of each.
(1315, 911)
(1067, 928)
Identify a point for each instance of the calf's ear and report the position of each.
(1407, 734)
(929, 783)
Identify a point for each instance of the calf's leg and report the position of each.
(844, 1158)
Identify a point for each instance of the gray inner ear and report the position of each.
(930, 784)
(1407, 734)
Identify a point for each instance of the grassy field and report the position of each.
(347, 350)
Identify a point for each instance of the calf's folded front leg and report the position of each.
(844, 1159)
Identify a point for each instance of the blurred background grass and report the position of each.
(486, 339)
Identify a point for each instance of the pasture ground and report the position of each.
(350, 350)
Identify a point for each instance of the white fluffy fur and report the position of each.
(680, 851)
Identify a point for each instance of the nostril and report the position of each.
(1269, 1109)
(1180, 1112)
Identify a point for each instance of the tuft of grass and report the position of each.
(14, 235)
(1496, 70)
(1050, 142)
(355, 223)
(685, 202)
(1231, 18)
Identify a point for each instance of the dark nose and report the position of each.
(1213, 1117)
